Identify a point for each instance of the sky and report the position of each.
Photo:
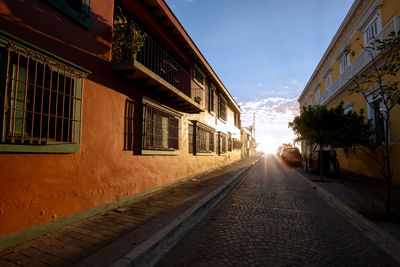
(264, 51)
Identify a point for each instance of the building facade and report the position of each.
(345, 59)
(101, 103)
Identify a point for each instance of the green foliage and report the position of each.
(319, 125)
(128, 37)
(379, 82)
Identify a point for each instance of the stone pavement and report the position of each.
(135, 233)
(276, 219)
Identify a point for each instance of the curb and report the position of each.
(381, 235)
(150, 251)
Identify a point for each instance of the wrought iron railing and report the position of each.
(156, 59)
(360, 62)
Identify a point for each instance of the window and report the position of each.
(203, 136)
(237, 119)
(309, 100)
(344, 63)
(129, 125)
(221, 143)
(78, 10)
(317, 93)
(40, 103)
(160, 129)
(377, 121)
(211, 103)
(347, 108)
(222, 108)
(372, 31)
(229, 142)
(237, 145)
(204, 140)
(198, 75)
(376, 113)
(328, 80)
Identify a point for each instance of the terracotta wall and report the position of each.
(38, 188)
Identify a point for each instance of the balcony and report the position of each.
(359, 63)
(157, 73)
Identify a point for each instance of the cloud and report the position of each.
(272, 116)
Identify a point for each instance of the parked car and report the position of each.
(291, 155)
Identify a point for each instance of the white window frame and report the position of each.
(347, 107)
(344, 63)
(328, 80)
(373, 28)
(317, 93)
(372, 97)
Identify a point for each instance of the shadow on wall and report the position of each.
(40, 24)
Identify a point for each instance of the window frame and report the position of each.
(317, 93)
(79, 17)
(195, 134)
(198, 75)
(171, 115)
(344, 62)
(373, 98)
(374, 24)
(10, 44)
(222, 108)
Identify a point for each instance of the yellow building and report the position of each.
(345, 57)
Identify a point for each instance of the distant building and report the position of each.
(332, 78)
(87, 123)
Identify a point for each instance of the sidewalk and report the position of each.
(134, 234)
(361, 198)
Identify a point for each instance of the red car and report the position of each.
(291, 155)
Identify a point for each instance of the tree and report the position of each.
(334, 127)
(379, 85)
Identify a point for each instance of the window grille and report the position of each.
(222, 108)
(198, 75)
(229, 142)
(129, 126)
(221, 143)
(82, 6)
(160, 129)
(40, 98)
(211, 105)
(237, 145)
(190, 138)
(204, 140)
(237, 119)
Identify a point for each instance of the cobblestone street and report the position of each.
(275, 218)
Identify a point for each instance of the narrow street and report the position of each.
(274, 218)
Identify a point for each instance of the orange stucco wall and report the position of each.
(38, 188)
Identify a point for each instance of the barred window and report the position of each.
(198, 75)
(237, 145)
(160, 129)
(222, 108)
(204, 140)
(190, 138)
(210, 97)
(221, 143)
(41, 99)
(229, 142)
(237, 120)
(129, 125)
